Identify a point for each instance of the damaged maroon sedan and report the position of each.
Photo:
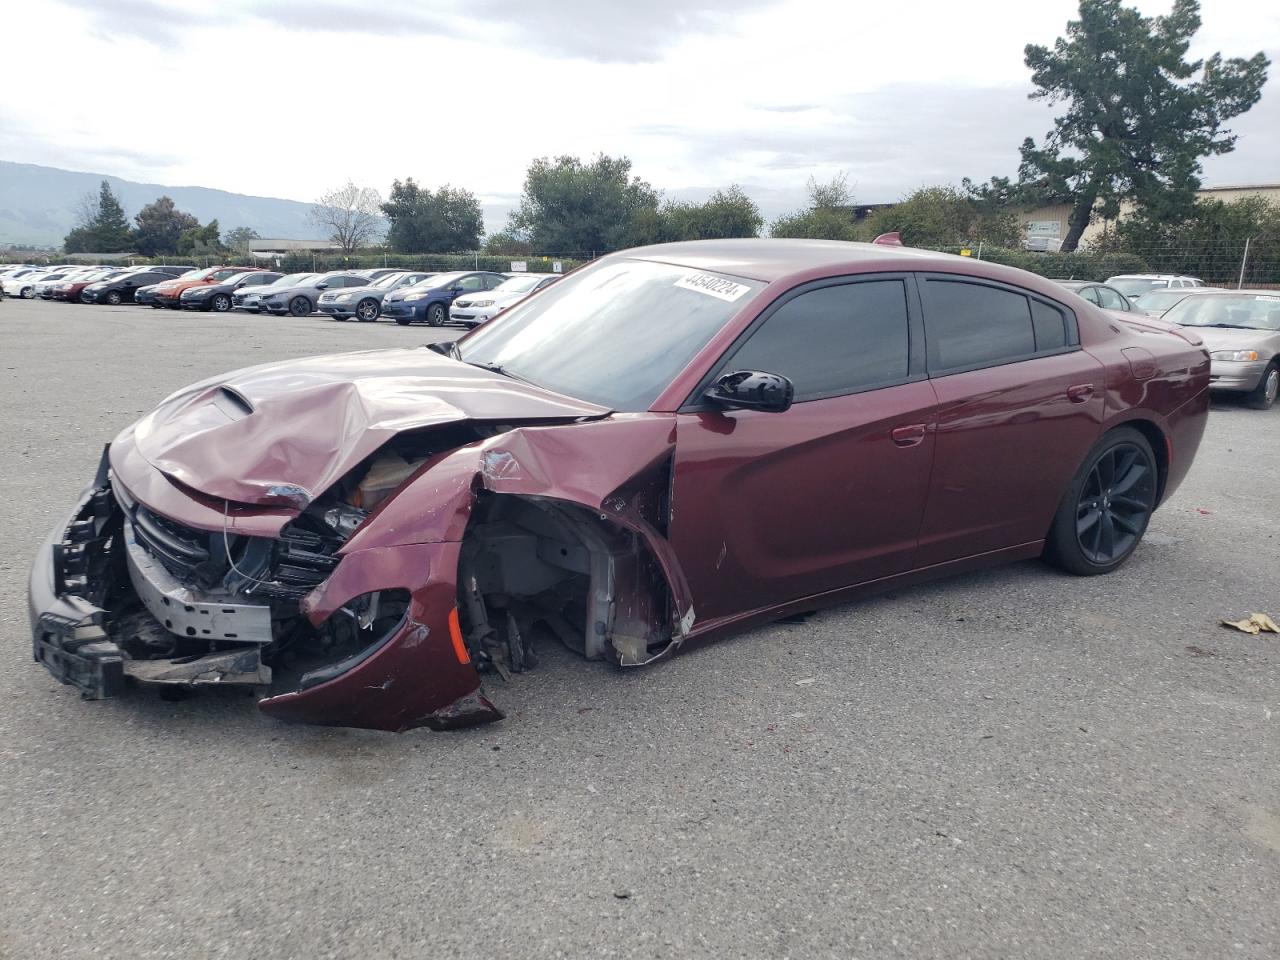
(671, 444)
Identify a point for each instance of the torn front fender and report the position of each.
(413, 675)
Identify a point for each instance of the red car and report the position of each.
(70, 289)
(669, 445)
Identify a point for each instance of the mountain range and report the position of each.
(38, 204)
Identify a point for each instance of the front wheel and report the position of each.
(367, 310)
(435, 315)
(220, 303)
(1263, 396)
(26, 293)
(299, 306)
(114, 298)
(1107, 507)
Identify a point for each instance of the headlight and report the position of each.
(415, 296)
(1240, 356)
(481, 303)
(342, 297)
(194, 293)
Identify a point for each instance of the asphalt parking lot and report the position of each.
(1016, 763)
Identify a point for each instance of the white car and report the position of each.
(471, 310)
(1136, 284)
(22, 283)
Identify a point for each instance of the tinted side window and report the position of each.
(1050, 326)
(972, 325)
(833, 340)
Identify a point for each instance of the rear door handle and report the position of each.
(1080, 392)
(909, 435)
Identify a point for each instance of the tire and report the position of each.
(1107, 506)
(1263, 396)
(220, 303)
(436, 315)
(114, 298)
(367, 310)
(26, 293)
(299, 307)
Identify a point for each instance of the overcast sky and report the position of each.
(281, 98)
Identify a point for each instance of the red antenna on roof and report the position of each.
(889, 239)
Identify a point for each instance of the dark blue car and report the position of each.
(428, 302)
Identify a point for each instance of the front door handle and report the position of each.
(1080, 392)
(909, 435)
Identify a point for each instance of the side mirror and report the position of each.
(322, 285)
(752, 390)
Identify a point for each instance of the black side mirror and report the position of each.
(752, 390)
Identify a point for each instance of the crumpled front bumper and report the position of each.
(418, 674)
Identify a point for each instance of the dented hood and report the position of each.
(281, 433)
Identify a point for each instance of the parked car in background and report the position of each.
(169, 294)
(652, 454)
(300, 299)
(124, 288)
(1099, 294)
(471, 310)
(22, 283)
(217, 297)
(1157, 302)
(146, 296)
(365, 303)
(249, 298)
(1133, 284)
(44, 287)
(430, 300)
(1241, 329)
(70, 289)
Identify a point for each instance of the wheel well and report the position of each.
(1159, 446)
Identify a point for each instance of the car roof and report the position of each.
(1150, 276)
(772, 260)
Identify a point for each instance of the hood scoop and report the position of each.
(232, 403)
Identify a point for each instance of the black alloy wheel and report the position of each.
(299, 306)
(1107, 507)
(367, 310)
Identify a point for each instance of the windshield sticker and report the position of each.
(717, 287)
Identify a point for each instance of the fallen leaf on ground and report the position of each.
(1256, 623)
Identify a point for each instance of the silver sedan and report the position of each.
(1241, 329)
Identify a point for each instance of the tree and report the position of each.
(446, 221)
(571, 207)
(829, 216)
(198, 241)
(349, 215)
(106, 230)
(159, 226)
(727, 213)
(240, 238)
(1138, 117)
(507, 243)
(942, 216)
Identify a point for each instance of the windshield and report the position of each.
(1160, 299)
(1248, 311)
(293, 279)
(390, 280)
(616, 333)
(517, 285)
(1133, 287)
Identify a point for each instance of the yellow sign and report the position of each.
(966, 252)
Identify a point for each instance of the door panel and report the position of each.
(770, 507)
(1008, 440)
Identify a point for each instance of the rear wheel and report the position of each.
(435, 315)
(1263, 396)
(367, 310)
(1107, 507)
(299, 306)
